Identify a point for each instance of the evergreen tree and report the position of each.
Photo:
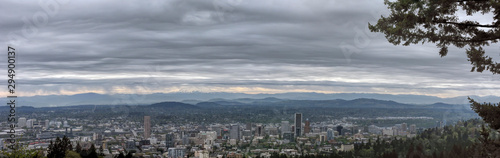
(58, 148)
(392, 154)
(129, 155)
(121, 155)
(92, 152)
(78, 148)
(489, 112)
(66, 144)
(436, 21)
(84, 153)
(101, 151)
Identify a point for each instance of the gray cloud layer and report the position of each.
(224, 45)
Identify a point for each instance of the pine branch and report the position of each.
(467, 25)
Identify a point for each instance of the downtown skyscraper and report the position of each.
(147, 127)
(298, 124)
(234, 132)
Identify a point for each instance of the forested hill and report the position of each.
(453, 141)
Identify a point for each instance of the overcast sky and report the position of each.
(268, 46)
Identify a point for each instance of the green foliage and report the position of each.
(487, 146)
(58, 148)
(435, 21)
(21, 152)
(92, 152)
(78, 148)
(121, 155)
(451, 140)
(332, 155)
(489, 112)
(72, 154)
(129, 155)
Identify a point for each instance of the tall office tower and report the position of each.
(298, 124)
(21, 122)
(285, 127)
(339, 129)
(403, 127)
(258, 130)
(147, 127)
(234, 133)
(307, 127)
(169, 140)
(47, 124)
(29, 123)
(413, 129)
(249, 126)
(330, 135)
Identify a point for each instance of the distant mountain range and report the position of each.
(221, 98)
(170, 106)
(337, 103)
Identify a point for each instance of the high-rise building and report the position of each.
(29, 123)
(298, 124)
(339, 129)
(330, 135)
(147, 127)
(169, 140)
(404, 127)
(285, 127)
(47, 124)
(234, 133)
(258, 130)
(185, 139)
(249, 126)
(21, 122)
(413, 129)
(307, 127)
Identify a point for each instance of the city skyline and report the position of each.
(250, 79)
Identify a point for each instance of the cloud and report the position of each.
(229, 46)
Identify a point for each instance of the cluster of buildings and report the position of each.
(119, 135)
(396, 130)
